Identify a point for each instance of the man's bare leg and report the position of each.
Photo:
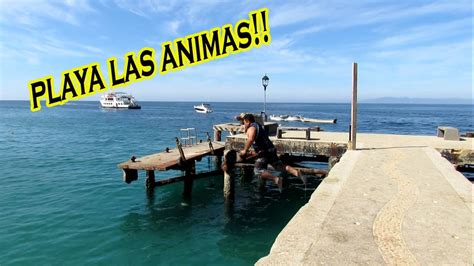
(278, 180)
(296, 173)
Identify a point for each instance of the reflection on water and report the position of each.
(244, 230)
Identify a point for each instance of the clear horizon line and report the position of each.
(294, 102)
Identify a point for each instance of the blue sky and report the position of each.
(403, 48)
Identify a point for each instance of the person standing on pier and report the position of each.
(264, 151)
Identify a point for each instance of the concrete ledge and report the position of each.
(299, 235)
(398, 206)
(460, 184)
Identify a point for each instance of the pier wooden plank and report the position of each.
(163, 161)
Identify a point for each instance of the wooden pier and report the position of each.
(181, 158)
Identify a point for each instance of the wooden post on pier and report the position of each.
(353, 136)
(190, 171)
(218, 137)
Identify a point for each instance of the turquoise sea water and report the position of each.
(63, 201)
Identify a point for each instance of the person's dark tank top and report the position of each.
(261, 142)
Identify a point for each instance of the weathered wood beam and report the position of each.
(304, 170)
(175, 179)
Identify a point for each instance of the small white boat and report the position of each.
(203, 108)
(119, 100)
(294, 118)
(278, 117)
(298, 118)
(320, 121)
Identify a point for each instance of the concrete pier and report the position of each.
(335, 144)
(396, 200)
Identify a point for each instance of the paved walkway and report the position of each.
(384, 205)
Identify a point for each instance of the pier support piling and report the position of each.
(218, 161)
(247, 174)
(229, 187)
(189, 178)
(230, 158)
(150, 180)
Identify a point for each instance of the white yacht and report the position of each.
(203, 108)
(119, 100)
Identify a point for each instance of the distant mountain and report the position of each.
(407, 100)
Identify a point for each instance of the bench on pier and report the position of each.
(448, 133)
(308, 130)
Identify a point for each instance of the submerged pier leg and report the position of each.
(230, 158)
(189, 178)
(150, 180)
(247, 174)
(229, 188)
(218, 161)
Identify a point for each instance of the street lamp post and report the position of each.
(265, 80)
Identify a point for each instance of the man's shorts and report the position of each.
(262, 162)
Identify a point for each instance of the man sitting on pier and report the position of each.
(265, 152)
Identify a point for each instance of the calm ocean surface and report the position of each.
(63, 201)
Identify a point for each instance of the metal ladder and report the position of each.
(188, 136)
